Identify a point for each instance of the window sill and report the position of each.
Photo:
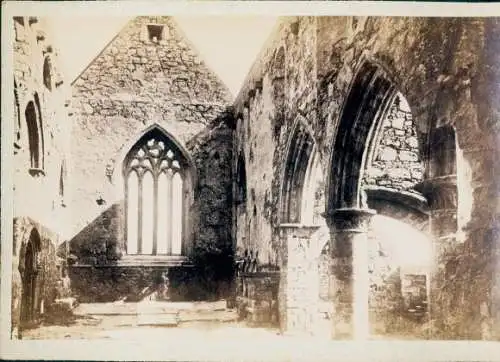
(141, 261)
(36, 172)
(153, 260)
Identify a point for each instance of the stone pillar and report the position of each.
(350, 279)
(299, 279)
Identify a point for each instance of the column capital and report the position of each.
(349, 219)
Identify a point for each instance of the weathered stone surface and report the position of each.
(440, 66)
(447, 69)
(40, 190)
(135, 83)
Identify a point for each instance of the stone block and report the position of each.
(387, 154)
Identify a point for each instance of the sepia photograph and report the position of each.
(269, 185)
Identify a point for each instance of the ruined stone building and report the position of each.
(349, 190)
(42, 123)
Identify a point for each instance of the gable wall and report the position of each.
(133, 84)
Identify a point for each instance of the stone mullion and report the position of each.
(155, 211)
(126, 213)
(185, 221)
(139, 213)
(169, 212)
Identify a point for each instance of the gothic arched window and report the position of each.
(155, 174)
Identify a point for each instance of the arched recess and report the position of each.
(34, 128)
(62, 182)
(28, 268)
(299, 151)
(370, 94)
(17, 115)
(47, 73)
(158, 184)
(240, 202)
(241, 181)
(441, 152)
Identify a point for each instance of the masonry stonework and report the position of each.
(380, 134)
(438, 68)
(148, 76)
(42, 182)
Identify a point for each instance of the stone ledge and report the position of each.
(142, 261)
(260, 274)
(409, 199)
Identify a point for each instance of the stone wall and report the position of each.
(138, 83)
(41, 190)
(440, 67)
(257, 298)
(31, 50)
(396, 159)
(128, 284)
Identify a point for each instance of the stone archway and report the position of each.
(28, 267)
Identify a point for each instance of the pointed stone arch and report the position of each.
(28, 268)
(34, 127)
(370, 93)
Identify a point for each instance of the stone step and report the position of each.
(124, 308)
(160, 313)
(163, 319)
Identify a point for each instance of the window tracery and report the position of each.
(155, 172)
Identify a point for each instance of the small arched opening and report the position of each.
(17, 115)
(29, 266)
(33, 136)
(241, 181)
(47, 73)
(62, 183)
